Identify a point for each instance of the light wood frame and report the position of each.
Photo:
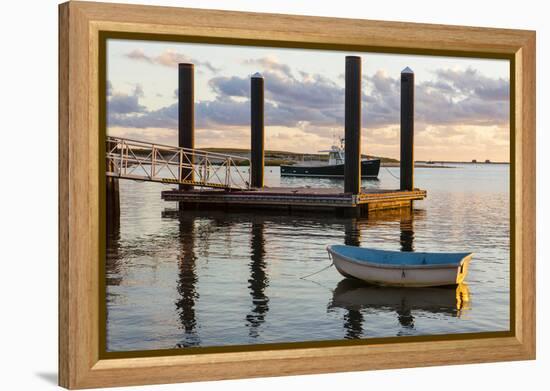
(80, 24)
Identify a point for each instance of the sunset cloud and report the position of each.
(270, 64)
(120, 104)
(169, 58)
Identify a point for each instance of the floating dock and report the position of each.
(300, 198)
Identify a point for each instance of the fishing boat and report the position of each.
(334, 168)
(397, 268)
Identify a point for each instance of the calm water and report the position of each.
(215, 279)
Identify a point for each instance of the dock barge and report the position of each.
(302, 198)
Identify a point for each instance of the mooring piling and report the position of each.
(257, 130)
(112, 190)
(407, 130)
(352, 163)
(113, 199)
(186, 116)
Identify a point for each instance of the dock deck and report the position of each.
(300, 198)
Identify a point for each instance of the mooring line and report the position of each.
(321, 285)
(387, 169)
(319, 271)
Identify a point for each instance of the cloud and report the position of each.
(169, 58)
(109, 88)
(271, 64)
(471, 82)
(455, 97)
(122, 104)
(230, 86)
(289, 100)
(139, 54)
(166, 117)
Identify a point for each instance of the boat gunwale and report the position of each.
(400, 266)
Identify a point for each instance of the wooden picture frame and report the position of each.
(81, 24)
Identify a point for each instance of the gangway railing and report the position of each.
(139, 160)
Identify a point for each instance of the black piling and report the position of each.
(352, 164)
(257, 130)
(112, 194)
(186, 115)
(113, 200)
(407, 130)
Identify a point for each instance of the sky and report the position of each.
(461, 104)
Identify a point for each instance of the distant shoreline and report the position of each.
(423, 164)
(416, 165)
(453, 162)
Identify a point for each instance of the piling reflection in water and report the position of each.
(187, 282)
(258, 281)
(406, 231)
(353, 324)
(113, 258)
(352, 232)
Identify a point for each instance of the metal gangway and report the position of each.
(143, 161)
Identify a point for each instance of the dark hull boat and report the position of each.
(369, 169)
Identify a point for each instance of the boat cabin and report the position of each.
(336, 154)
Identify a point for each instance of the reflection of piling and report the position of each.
(186, 116)
(406, 228)
(258, 281)
(113, 258)
(405, 318)
(257, 130)
(187, 282)
(352, 164)
(352, 233)
(407, 129)
(353, 323)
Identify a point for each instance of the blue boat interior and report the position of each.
(386, 257)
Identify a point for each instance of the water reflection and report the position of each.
(352, 232)
(156, 268)
(353, 324)
(113, 259)
(258, 281)
(406, 229)
(358, 298)
(187, 282)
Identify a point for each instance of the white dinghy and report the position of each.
(397, 268)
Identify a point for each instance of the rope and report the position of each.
(387, 169)
(319, 271)
(321, 285)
